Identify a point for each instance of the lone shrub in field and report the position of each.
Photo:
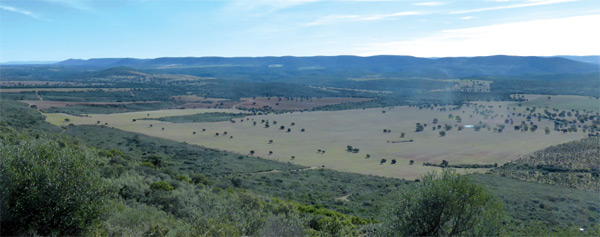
(49, 188)
(444, 204)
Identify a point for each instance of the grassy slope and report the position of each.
(552, 205)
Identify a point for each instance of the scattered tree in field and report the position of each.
(442, 133)
(292, 124)
(194, 132)
(67, 120)
(133, 120)
(547, 130)
(402, 135)
(445, 204)
(204, 129)
(435, 121)
(293, 157)
(349, 148)
(270, 152)
(289, 130)
(444, 163)
(355, 150)
(419, 127)
(302, 130)
(282, 127)
(382, 161)
(393, 162)
(217, 134)
(411, 162)
(251, 152)
(368, 156)
(162, 129)
(270, 141)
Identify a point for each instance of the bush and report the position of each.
(161, 186)
(184, 178)
(201, 179)
(444, 204)
(49, 188)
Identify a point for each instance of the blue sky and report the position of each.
(62, 29)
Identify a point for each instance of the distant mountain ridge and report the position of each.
(406, 65)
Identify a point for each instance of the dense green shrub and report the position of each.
(444, 204)
(49, 188)
(161, 186)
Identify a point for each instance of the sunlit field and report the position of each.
(327, 135)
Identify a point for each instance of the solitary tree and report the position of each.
(442, 205)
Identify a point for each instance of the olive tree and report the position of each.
(444, 204)
(49, 188)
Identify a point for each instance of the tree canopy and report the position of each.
(444, 204)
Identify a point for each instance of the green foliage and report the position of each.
(161, 186)
(147, 164)
(200, 179)
(184, 178)
(49, 188)
(444, 204)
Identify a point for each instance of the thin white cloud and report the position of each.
(273, 4)
(561, 36)
(530, 3)
(79, 5)
(429, 4)
(370, 17)
(21, 11)
(467, 17)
